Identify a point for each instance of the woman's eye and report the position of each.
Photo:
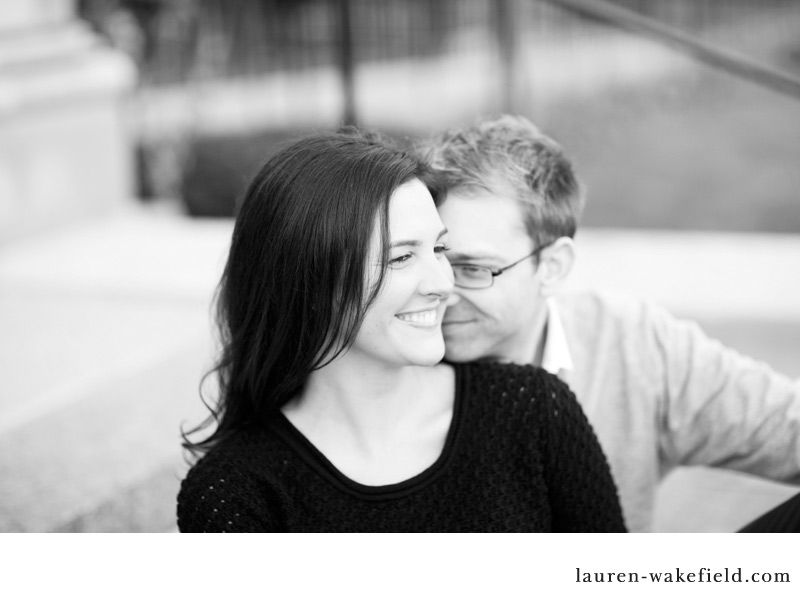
(401, 259)
(441, 248)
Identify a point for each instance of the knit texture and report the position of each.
(520, 456)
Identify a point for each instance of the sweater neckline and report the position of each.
(329, 472)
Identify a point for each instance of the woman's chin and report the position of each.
(429, 357)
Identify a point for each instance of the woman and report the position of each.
(335, 413)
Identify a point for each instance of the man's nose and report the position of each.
(454, 299)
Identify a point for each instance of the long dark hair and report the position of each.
(294, 290)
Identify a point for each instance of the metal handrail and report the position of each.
(723, 59)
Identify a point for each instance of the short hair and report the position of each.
(509, 152)
(295, 286)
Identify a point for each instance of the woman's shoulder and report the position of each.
(249, 450)
(224, 458)
(504, 376)
(225, 488)
(524, 391)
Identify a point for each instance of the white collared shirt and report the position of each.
(556, 356)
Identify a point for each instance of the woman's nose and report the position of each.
(438, 278)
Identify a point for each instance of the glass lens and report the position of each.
(472, 276)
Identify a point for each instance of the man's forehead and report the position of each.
(484, 226)
(487, 186)
(495, 205)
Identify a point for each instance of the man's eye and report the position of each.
(467, 270)
(441, 248)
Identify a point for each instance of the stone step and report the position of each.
(148, 506)
(105, 335)
(110, 459)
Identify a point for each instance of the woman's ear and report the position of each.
(555, 264)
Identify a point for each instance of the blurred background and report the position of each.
(129, 128)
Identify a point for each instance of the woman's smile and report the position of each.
(423, 318)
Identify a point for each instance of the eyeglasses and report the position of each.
(472, 276)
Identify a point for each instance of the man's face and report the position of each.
(504, 321)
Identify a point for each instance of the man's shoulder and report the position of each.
(616, 322)
(616, 308)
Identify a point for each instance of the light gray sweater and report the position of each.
(660, 393)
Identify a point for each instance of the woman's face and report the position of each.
(403, 326)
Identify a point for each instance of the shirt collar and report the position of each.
(555, 354)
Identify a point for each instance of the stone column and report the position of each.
(65, 151)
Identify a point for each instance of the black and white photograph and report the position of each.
(405, 267)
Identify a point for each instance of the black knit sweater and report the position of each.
(519, 456)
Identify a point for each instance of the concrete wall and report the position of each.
(65, 152)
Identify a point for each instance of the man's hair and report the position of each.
(510, 153)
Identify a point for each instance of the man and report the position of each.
(657, 390)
